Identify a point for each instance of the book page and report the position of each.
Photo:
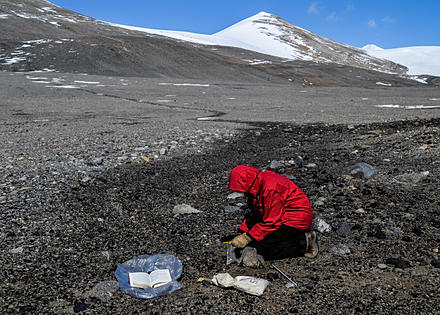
(160, 277)
(139, 279)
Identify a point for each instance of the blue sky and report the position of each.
(386, 23)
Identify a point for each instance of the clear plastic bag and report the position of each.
(146, 263)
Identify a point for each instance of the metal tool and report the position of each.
(284, 275)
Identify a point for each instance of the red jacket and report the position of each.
(276, 201)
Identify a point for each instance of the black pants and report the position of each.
(285, 242)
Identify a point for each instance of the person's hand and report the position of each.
(240, 241)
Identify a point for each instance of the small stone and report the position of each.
(106, 255)
(398, 263)
(406, 238)
(17, 250)
(340, 250)
(363, 170)
(184, 209)
(146, 159)
(98, 161)
(290, 285)
(321, 226)
(320, 201)
(435, 250)
(80, 306)
(274, 165)
(411, 178)
(435, 263)
(311, 165)
(417, 230)
(382, 266)
(374, 230)
(232, 208)
(344, 229)
(86, 179)
(104, 290)
(163, 151)
(235, 195)
(360, 210)
(271, 276)
(396, 229)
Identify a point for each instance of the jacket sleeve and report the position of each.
(244, 227)
(272, 216)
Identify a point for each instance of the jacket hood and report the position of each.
(245, 179)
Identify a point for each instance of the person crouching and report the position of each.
(280, 218)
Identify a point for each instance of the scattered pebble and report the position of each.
(275, 165)
(344, 229)
(320, 225)
(363, 170)
(232, 208)
(398, 263)
(104, 290)
(340, 250)
(382, 266)
(184, 209)
(106, 255)
(235, 195)
(17, 250)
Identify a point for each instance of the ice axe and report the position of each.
(284, 275)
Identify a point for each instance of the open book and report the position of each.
(153, 279)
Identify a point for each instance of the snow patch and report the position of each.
(4, 16)
(87, 82)
(36, 78)
(185, 84)
(207, 118)
(64, 86)
(384, 84)
(418, 59)
(12, 60)
(408, 106)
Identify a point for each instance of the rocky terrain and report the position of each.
(85, 188)
(57, 246)
(104, 131)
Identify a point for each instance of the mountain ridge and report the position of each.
(38, 35)
(282, 39)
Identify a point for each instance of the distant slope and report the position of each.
(268, 34)
(419, 59)
(39, 36)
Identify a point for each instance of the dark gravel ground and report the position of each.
(389, 221)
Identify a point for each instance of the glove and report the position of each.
(240, 241)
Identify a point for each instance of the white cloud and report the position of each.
(350, 7)
(332, 17)
(372, 23)
(313, 8)
(388, 20)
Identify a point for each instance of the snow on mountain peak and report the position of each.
(419, 59)
(372, 47)
(269, 34)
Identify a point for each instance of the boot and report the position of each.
(312, 245)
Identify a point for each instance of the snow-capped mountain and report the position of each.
(37, 35)
(269, 34)
(419, 59)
